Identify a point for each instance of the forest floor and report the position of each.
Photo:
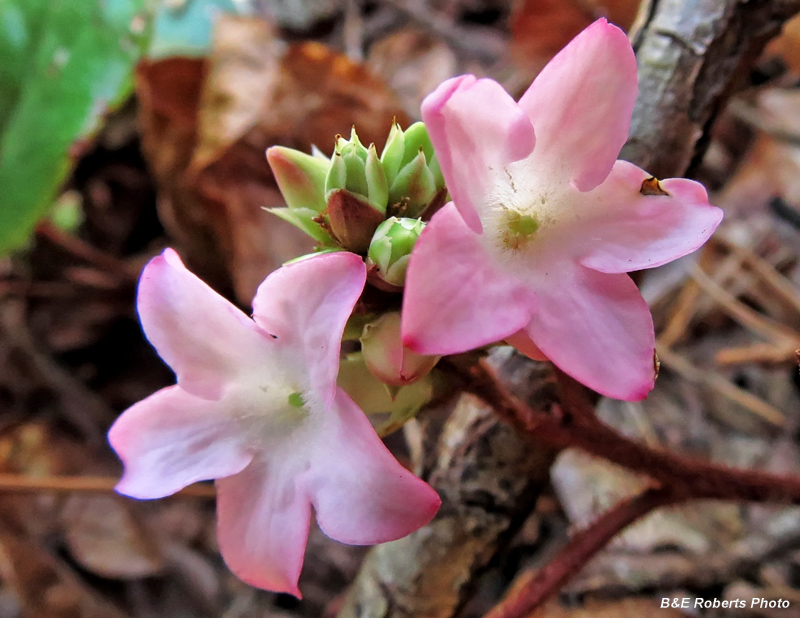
(182, 164)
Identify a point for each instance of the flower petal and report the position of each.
(455, 298)
(629, 231)
(306, 306)
(200, 335)
(262, 526)
(597, 328)
(173, 439)
(361, 494)
(475, 127)
(581, 105)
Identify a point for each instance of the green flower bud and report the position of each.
(414, 187)
(412, 171)
(357, 193)
(390, 250)
(386, 357)
(359, 170)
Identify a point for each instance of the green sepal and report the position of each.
(303, 218)
(436, 170)
(301, 177)
(337, 175)
(415, 138)
(359, 148)
(377, 185)
(392, 155)
(355, 166)
(414, 188)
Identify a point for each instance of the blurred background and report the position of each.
(129, 125)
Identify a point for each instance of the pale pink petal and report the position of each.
(476, 129)
(262, 525)
(361, 494)
(200, 335)
(625, 230)
(597, 328)
(306, 305)
(581, 105)
(173, 439)
(455, 298)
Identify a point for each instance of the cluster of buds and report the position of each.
(374, 206)
(340, 201)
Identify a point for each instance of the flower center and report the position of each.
(517, 229)
(296, 400)
(269, 412)
(523, 207)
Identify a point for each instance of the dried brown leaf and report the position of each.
(105, 537)
(206, 143)
(541, 28)
(43, 586)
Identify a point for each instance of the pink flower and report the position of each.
(257, 408)
(537, 240)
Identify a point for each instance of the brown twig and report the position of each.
(21, 483)
(537, 587)
(574, 424)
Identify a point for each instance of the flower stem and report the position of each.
(572, 423)
(533, 589)
(676, 478)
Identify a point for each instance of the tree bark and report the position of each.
(692, 55)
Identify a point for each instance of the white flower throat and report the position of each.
(522, 207)
(270, 410)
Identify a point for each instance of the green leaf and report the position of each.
(63, 65)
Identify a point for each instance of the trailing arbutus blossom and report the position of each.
(256, 407)
(545, 222)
